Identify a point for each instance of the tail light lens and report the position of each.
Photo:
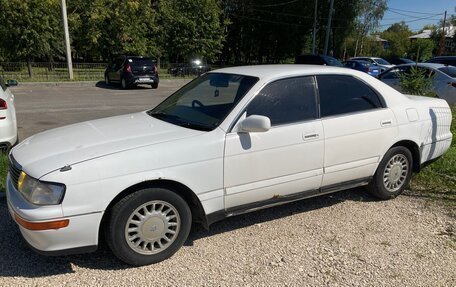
(367, 69)
(452, 84)
(128, 68)
(3, 104)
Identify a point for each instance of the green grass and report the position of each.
(438, 180)
(3, 171)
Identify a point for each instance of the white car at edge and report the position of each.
(231, 141)
(8, 122)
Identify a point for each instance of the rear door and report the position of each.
(358, 128)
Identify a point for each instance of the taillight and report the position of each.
(367, 69)
(452, 84)
(3, 104)
(128, 68)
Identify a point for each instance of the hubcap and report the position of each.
(152, 227)
(395, 173)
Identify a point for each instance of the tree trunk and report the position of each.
(29, 67)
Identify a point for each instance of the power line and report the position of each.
(408, 11)
(412, 16)
(277, 4)
(423, 18)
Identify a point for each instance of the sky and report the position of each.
(411, 11)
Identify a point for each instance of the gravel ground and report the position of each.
(344, 239)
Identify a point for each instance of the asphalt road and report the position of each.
(41, 107)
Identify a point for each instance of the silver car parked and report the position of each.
(443, 78)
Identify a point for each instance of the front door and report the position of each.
(287, 159)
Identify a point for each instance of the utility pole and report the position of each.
(67, 39)
(328, 27)
(314, 28)
(442, 39)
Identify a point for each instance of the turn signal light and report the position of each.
(41, 225)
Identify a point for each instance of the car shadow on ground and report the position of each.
(103, 85)
(17, 259)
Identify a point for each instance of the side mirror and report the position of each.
(254, 124)
(10, 83)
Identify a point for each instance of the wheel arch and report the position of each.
(414, 149)
(198, 214)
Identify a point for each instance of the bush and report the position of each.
(417, 81)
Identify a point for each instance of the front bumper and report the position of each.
(81, 234)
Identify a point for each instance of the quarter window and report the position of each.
(286, 101)
(344, 94)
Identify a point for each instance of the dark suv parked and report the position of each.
(318, 60)
(446, 60)
(131, 71)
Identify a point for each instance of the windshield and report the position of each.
(449, 70)
(381, 61)
(205, 102)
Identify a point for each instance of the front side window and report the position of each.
(341, 94)
(286, 101)
(205, 102)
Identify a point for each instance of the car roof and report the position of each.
(426, 65)
(444, 57)
(359, 61)
(276, 71)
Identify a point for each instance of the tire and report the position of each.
(107, 82)
(140, 222)
(393, 174)
(154, 85)
(123, 84)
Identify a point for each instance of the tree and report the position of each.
(370, 12)
(105, 28)
(416, 82)
(191, 28)
(421, 49)
(398, 37)
(30, 29)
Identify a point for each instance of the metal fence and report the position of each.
(49, 71)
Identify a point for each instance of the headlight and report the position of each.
(38, 192)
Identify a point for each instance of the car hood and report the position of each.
(56, 148)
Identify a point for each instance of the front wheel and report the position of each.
(393, 174)
(154, 85)
(148, 226)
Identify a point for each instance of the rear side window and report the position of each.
(340, 94)
(449, 70)
(286, 101)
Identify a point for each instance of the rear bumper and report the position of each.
(146, 80)
(80, 236)
(8, 132)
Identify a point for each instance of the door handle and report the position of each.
(386, 123)
(311, 136)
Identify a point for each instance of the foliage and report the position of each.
(398, 37)
(191, 28)
(30, 29)
(416, 82)
(3, 171)
(421, 49)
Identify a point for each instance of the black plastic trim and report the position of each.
(65, 252)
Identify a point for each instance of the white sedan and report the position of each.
(8, 122)
(231, 141)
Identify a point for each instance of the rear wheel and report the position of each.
(148, 226)
(393, 174)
